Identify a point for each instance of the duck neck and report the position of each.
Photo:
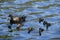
(11, 18)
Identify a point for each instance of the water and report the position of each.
(33, 9)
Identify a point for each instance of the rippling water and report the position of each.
(33, 9)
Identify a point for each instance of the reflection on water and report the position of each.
(33, 9)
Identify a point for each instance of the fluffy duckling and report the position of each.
(19, 26)
(40, 20)
(45, 23)
(30, 29)
(23, 18)
(40, 30)
(9, 26)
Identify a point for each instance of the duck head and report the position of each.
(41, 30)
(10, 17)
(23, 18)
(45, 23)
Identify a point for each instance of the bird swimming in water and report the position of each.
(41, 20)
(16, 20)
(30, 29)
(40, 31)
(45, 23)
(9, 26)
(19, 26)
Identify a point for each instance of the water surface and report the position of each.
(33, 9)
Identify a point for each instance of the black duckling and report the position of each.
(9, 26)
(40, 20)
(45, 23)
(40, 30)
(10, 29)
(30, 29)
(23, 18)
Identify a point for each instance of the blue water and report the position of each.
(33, 9)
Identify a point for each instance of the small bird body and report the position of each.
(30, 29)
(41, 19)
(45, 23)
(40, 31)
(19, 26)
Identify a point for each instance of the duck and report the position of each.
(45, 23)
(41, 20)
(30, 29)
(40, 31)
(16, 20)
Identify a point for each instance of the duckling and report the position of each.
(10, 29)
(23, 18)
(19, 26)
(45, 23)
(40, 20)
(40, 30)
(30, 29)
(9, 26)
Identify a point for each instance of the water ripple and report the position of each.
(33, 9)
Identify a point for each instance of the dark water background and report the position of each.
(33, 9)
